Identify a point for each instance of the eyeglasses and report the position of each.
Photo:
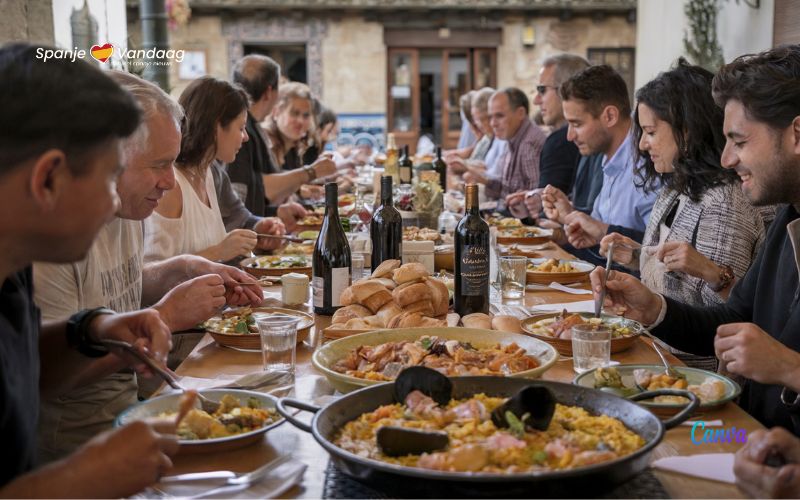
(542, 89)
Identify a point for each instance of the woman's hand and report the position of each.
(683, 257)
(624, 248)
(239, 242)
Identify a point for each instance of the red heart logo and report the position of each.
(102, 52)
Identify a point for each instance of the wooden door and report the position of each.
(403, 96)
(456, 81)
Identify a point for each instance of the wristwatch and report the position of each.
(78, 332)
(790, 399)
(726, 276)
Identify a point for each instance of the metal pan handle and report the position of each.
(682, 415)
(300, 405)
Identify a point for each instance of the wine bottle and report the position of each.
(391, 166)
(386, 228)
(471, 259)
(406, 166)
(441, 168)
(331, 259)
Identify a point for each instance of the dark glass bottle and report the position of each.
(471, 259)
(406, 167)
(386, 228)
(441, 168)
(331, 260)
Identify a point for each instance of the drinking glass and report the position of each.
(278, 342)
(357, 266)
(591, 347)
(512, 276)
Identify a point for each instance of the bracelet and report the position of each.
(77, 332)
(726, 276)
(312, 174)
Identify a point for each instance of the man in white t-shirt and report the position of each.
(113, 275)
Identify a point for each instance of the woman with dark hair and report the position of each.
(703, 233)
(187, 220)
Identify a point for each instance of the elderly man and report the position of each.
(597, 109)
(756, 333)
(560, 157)
(60, 126)
(508, 117)
(113, 275)
(254, 173)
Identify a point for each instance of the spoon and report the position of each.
(598, 305)
(208, 405)
(668, 369)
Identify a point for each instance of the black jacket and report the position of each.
(767, 296)
(246, 171)
(558, 161)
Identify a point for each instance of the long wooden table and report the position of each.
(209, 360)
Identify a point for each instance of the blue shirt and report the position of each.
(494, 167)
(621, 202)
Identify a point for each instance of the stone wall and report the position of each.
(26, 20)
(518, 66)
(354, 67)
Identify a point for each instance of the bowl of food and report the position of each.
(524, 235)
(503, 222)
(713, 389)
(311, 222)
(277, 265)
(454, 351)
(545, 271)
(237, 328)
(242, 418)
(556, 329)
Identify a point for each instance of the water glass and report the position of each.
(357, 266)
(591, 347)
(512, 276)
(278, 342)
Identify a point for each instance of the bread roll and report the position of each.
(423, 307)
(409, 283)
(409, 272)
(347, 296)
(365, 289)
(345, 314)
(452, 319)
(433, 323)
(375, 301)
(413, 293)
(407, 320)
(385, 268)
(356, 324)
(440, 298)
(507, 324)
(477, 320)
(388, 312)
(388, 283)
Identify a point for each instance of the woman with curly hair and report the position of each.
(703, 233)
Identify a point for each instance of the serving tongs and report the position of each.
(208, 405)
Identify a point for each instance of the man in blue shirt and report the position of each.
(597, 109)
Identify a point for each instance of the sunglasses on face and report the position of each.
(542, 89)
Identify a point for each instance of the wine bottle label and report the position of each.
(340, 279)
(318, 285)
(429, 175)
(474, 270)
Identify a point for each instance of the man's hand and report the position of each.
(290, 213)
(516, 204)
(241, 288)
(759, 480)
(270, 225)
(749, 351)
(456, 165)
(627, 296)
(122, 462)
(311, 192)
(683, 257)
(192, 302)
(556, 205)
(145, 329)
(324, 167)
(584, 231)
(623, 247)
(239, 242)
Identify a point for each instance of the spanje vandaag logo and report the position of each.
(104, 53)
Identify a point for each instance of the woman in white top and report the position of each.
(187, 219)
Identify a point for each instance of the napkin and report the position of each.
(714, 466)
(272, 485)
(567, 289)
(573, 307)
(265, 383)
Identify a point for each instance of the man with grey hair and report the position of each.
(560, 157)
(254, 174)
(509, 118)
(113, 275)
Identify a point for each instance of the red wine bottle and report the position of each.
(331, 259)
(471, 259)
(386, 228)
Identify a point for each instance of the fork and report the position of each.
(208, 405)
(244, 481)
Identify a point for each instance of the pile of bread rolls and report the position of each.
(405, 296)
